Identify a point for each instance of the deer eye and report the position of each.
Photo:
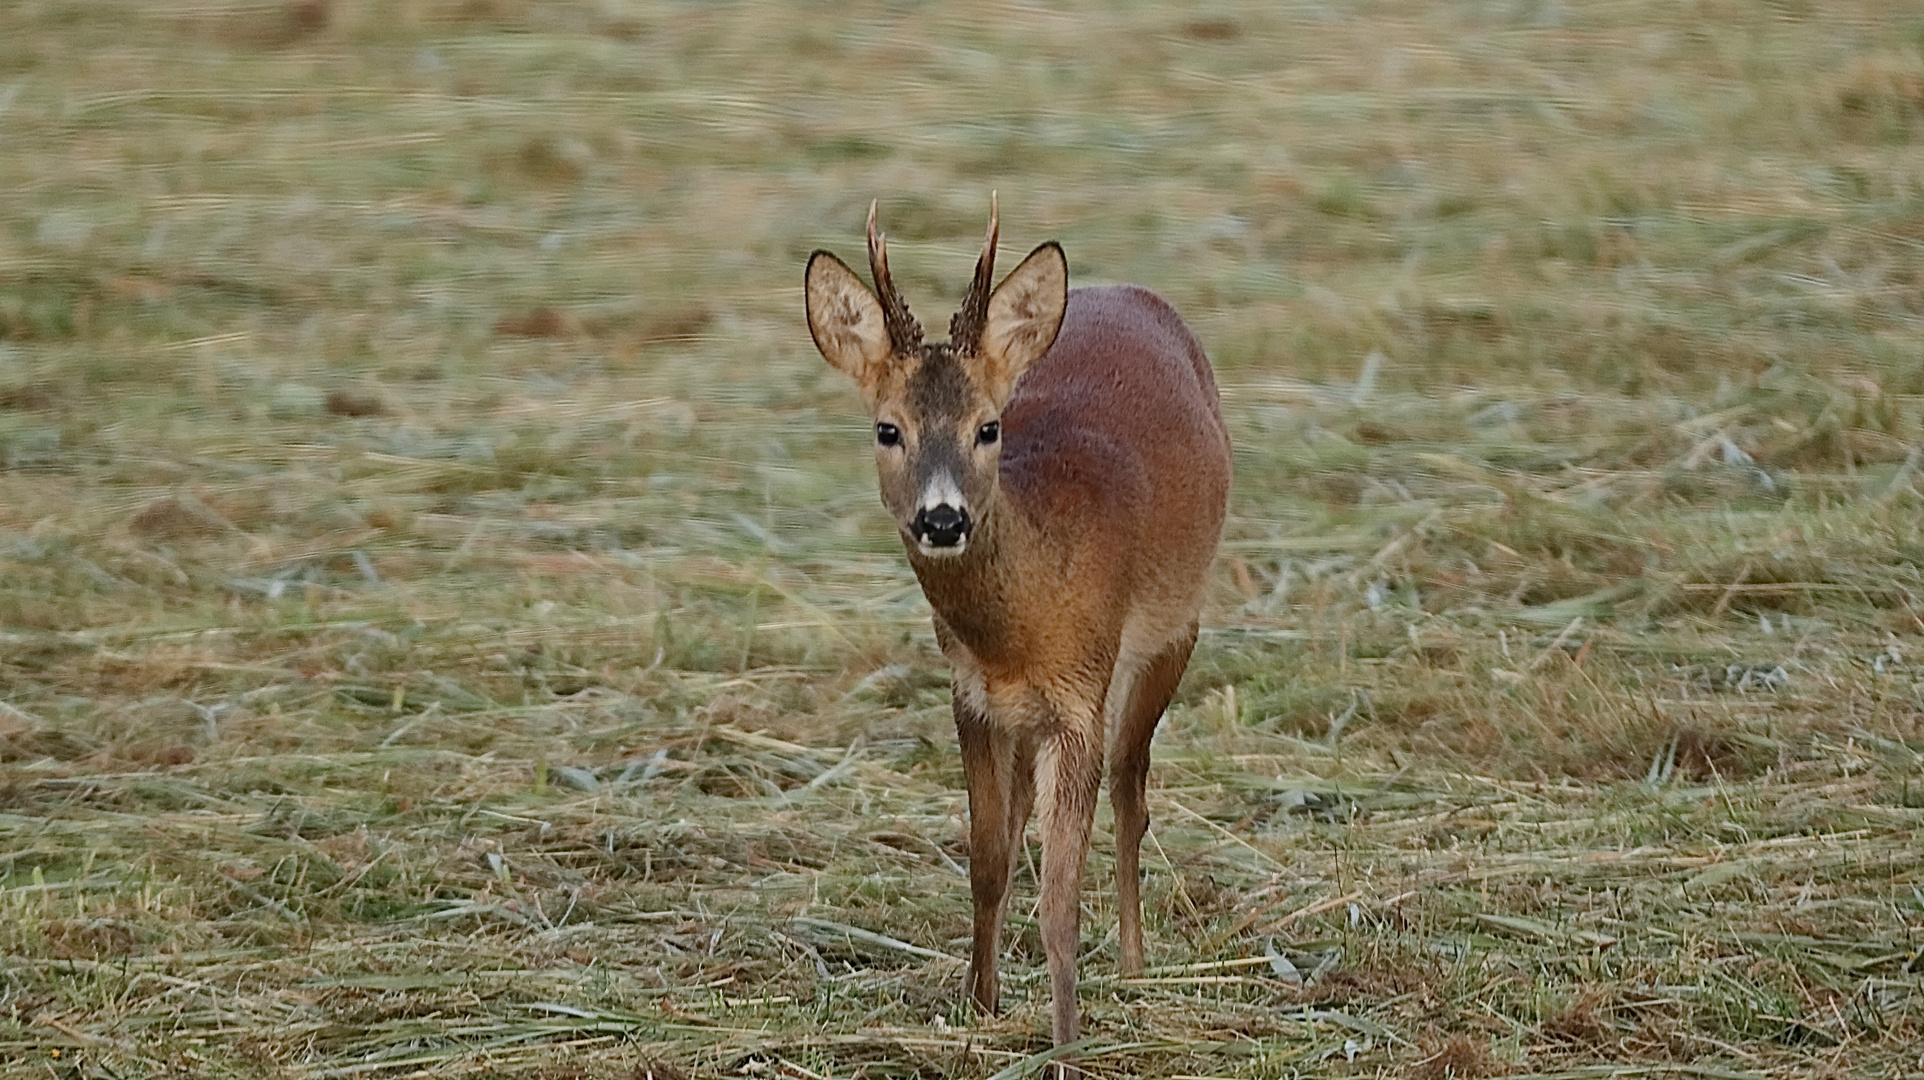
(988, 432)
(888, 434)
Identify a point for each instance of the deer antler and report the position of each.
(965, 329)
(905, 334)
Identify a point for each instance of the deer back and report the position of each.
(1115, 440)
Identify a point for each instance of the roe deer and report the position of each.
(1059, 470)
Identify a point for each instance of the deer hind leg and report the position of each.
(1000, 786)
(1149, 695)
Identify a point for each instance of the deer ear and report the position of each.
(845, 318)
(1025, 312)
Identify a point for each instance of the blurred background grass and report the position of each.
(422, 513)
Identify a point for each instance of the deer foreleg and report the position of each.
(1068, 774)
(998, 809)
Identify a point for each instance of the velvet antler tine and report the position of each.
(905, 334)
(965, 329)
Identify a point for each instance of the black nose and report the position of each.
(944, 526)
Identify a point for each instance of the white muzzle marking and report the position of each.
(929, 551)
(942, 490)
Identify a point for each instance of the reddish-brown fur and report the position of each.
(1068, 615)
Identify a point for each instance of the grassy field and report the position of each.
(447, 627)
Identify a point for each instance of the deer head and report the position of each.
(937, 407)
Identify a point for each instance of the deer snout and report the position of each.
(942, 529)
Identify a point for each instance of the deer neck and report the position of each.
(973, 593)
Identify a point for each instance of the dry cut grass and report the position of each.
(447, 627)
